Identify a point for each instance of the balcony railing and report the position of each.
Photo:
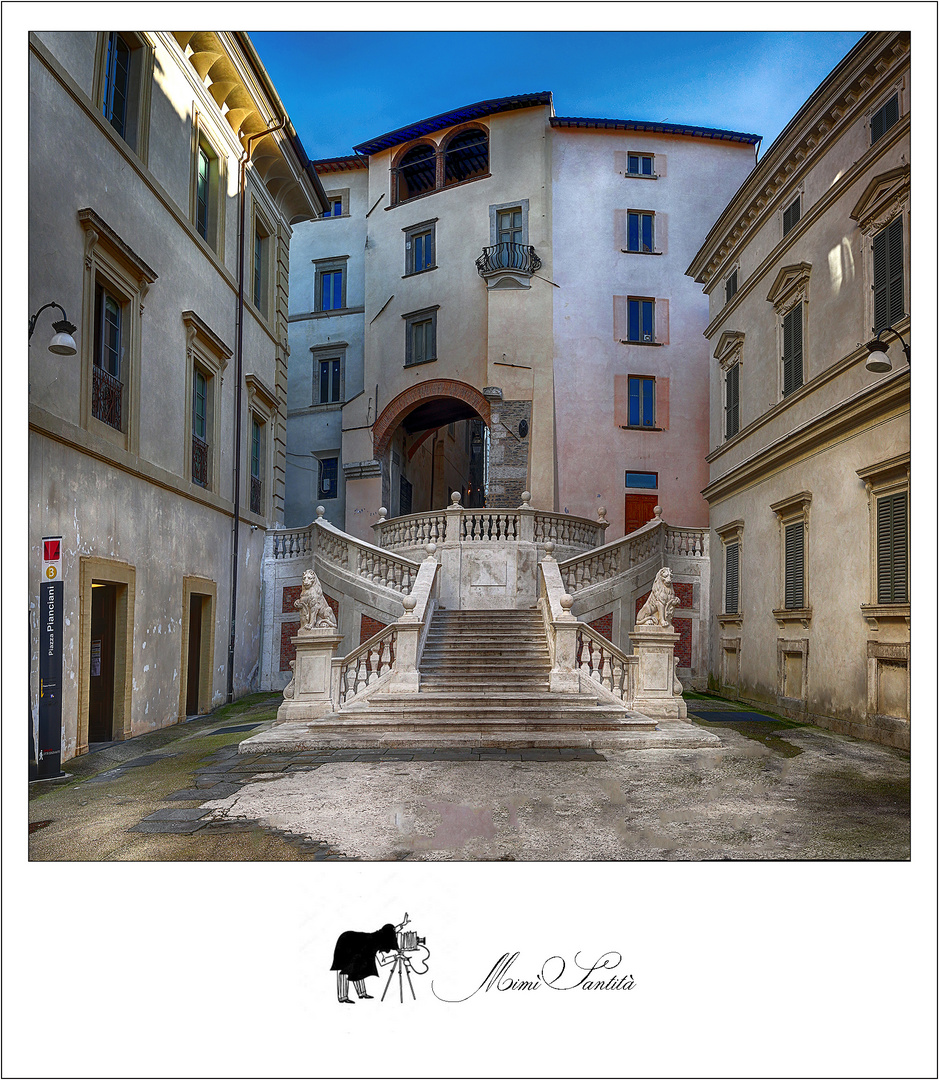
(106, 397)
(200, 461)
(518, 257)
(255, 495)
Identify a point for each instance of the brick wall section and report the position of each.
(334, 604)
(291, 593)
(369, 628)
(604, 626)
(508, 461)
(288, 650)
(683, 626)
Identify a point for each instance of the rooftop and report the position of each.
(692, 130)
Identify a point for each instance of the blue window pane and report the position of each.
(632, 332)
(635, 403)
(642, 480)
(647, 166)
(648, 403)
(647, 327)
(632, 240)
(646, 232)
(633, 163)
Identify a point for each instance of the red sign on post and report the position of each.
(50, 550)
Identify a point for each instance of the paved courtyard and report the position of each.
(772, 790)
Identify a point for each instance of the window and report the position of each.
(508, 262)
(884, 119)
(642, 480)
(334, 209)
(640, 164)
(207, 194)
(793, 516)
(257, 464)
(795, 565)
(261, 268)
(124, 73)
(641, 401)
(792, 350)
(893, 549)
(639, 232)
(330, 284)
(328, 487)
(421, 345)
(404, 496)
(732, 401)
(108, 390)
(791, 214)
(200, 446)
(206, 358)
(202, 194)
(416, 173)
(640, 321)
(466, 157)
(419, 247)
(731, 577)
(509, 226)
(330, 382)
(730, 287)
(888, 275)
(114, 285)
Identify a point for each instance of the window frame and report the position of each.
(881, 110)
(885, 479)
(893, 228)
(642, 215)
(642, 381)
(640, 155)
(731, 539)
(412, 233)
(789, 291)
(788, 221)
(136, 134)
(322, 268)
(732, 400)
(262, 408)
(643, 339)
(109, 262)
(322, 462)
(341, 196)
(731, 286)
(205, 143)
(415, 318)
(208, 354)
(792, 327)
(262, 262)
(792, 515)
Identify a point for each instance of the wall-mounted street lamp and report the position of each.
(63, 343)
(877, 359)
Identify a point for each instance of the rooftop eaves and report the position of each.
(692, 130)
(449, 119)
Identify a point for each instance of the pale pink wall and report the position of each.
(590, 196)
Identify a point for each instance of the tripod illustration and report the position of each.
(403, 967)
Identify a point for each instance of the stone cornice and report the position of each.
(729, 347)
(198, 330)
(878, 59)
(97, 230)
(889, 395)
(257, 388)
(882, 200)
(791, 286)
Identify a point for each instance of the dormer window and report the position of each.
(416, 172)
(466, 157)
(426, 168)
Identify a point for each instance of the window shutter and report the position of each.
(732, 575)
(733, 401)
(797, 346)
(895, 259)
(881, 318)
(892, 540)
(795, 565)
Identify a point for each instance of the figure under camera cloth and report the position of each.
(356, 954)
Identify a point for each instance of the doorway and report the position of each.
(640, 509)
(198, 647)
(193, 668)
(101, 668)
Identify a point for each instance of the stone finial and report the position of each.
(549, 551)
(601, 513)
(526, 501)
(320, 511)
(382, 513)
(430, 549)
(567, 602)
(455, 498)
(657, 511)
(410, 603)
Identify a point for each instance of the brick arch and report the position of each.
(408, 400)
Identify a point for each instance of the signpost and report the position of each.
(51, 619)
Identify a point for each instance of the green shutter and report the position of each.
(888, 275)
(732, 577)
(795, 565)
(892, 548)
(733, 401)
(792, 350)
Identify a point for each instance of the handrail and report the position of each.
(600, 660)
(364, 666)
(617, 557)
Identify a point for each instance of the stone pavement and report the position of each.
(771, 790)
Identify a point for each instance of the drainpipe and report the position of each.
(236, 514)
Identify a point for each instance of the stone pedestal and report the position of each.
(307, 696)
(658, 691)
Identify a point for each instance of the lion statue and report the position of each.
(314, 610)
(661, 603)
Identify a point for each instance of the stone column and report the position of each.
(307, 696)
(658, 691)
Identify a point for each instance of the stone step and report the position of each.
(520, 656)
(456, 681)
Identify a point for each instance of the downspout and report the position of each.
(236, 513)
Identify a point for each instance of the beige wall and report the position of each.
(129, 498)
(810, 445)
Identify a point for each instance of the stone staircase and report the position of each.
(484, 683)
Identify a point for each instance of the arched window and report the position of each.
(467, 155)
(417, 172)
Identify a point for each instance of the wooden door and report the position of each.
(639, 510)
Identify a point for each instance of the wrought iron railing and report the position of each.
(106, 398)
(200, 461)
(255, 495)
(519, 257)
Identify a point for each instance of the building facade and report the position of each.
(468, 321)
(808, 275)
(156, 452)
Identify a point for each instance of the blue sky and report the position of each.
(342, 88)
